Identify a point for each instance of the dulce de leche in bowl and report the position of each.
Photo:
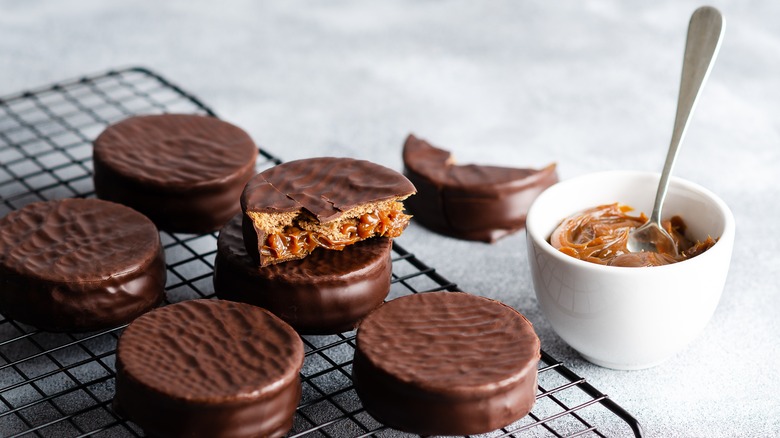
(626, 317)
(600, 235)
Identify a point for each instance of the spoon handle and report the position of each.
(705, 32)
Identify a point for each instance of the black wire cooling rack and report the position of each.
(61, 385)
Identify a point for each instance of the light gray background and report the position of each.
(591, 85)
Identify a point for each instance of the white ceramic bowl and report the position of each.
(620, 317)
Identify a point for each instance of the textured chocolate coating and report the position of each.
(324, 293)
(209, 368)
(470, 202)
(323, 188)
(446, 363)
(186, 172)
(79, 265)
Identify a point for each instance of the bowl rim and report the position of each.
(534, 236)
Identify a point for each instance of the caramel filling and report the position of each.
(295, 242)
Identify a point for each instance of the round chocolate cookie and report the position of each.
(446, 363)
(470, 202)
(186, 172)
(325, 202)
(326, 292)
(79, 265)
(209, 368)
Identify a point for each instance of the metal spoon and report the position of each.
(705, 32)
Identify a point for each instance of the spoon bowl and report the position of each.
(651, 237)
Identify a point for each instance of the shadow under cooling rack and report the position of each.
(56, 385)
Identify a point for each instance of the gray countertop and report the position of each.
(589, 85)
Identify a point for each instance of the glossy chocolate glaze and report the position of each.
(79, 265)
(446, 363)
(470, 202)
(326, 292)
(186, 172)
(323, 188)
(209, 368)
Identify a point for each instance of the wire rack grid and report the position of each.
(61, 384)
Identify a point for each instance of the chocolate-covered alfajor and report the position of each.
(79, 265)
(299, 206)
(471, 202)
(446, 363)
(324, 293)
(184, 171)
(209, 368)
